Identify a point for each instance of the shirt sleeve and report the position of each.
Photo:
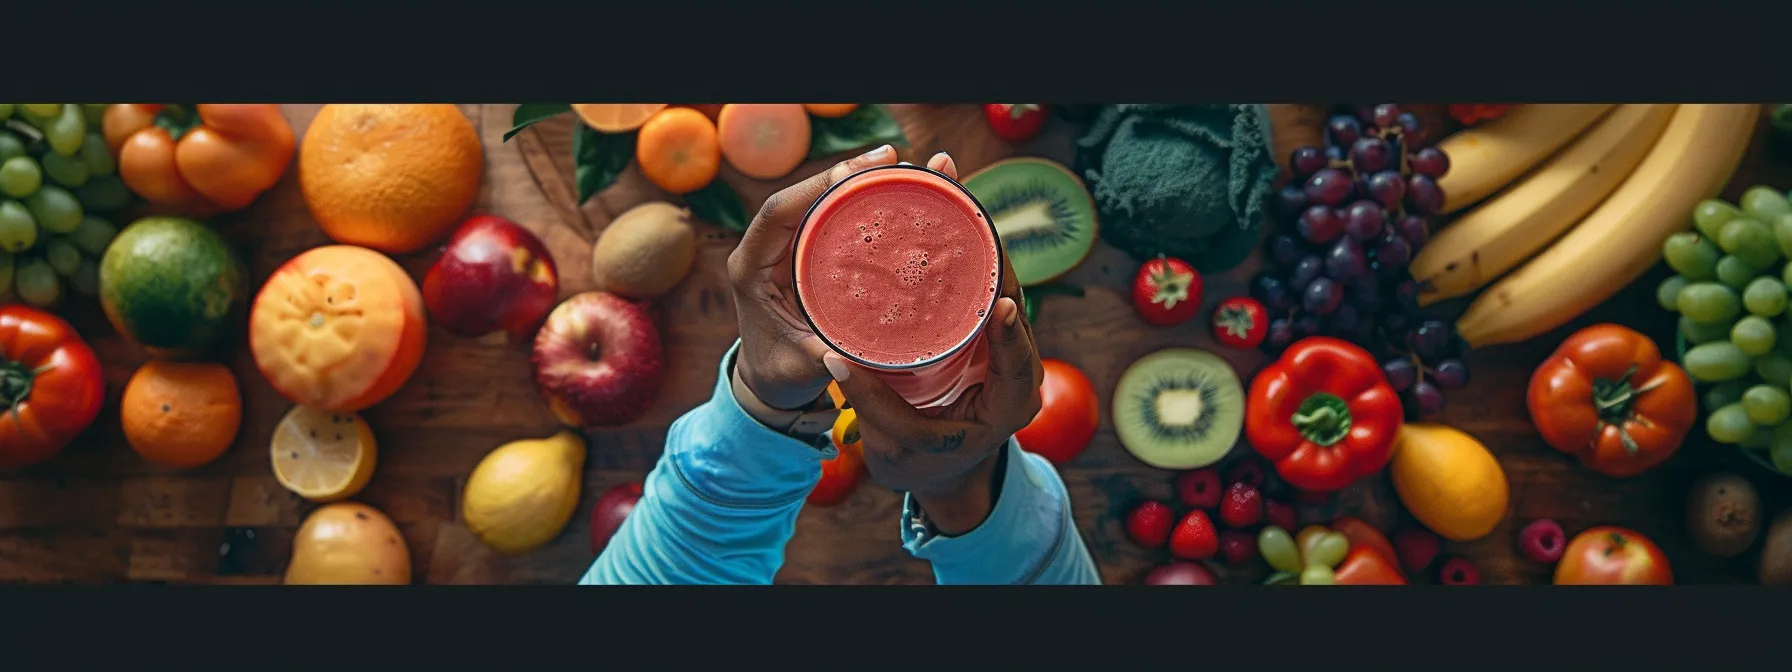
(1029, 538)
(719, 506)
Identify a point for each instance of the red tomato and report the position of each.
(1068, 414)
(1166, 291)
(1613, 556)
(1240, 322)
(1015, 123)
(51, 388)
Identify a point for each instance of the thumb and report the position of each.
(1013, 362)
(871, 397)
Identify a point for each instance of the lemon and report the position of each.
(322, 456)
(523, 493)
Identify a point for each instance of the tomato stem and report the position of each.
(1613, 401)
(1323, 418)
(177, 119)
(16, 383)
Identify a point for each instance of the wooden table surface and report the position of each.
(97, 513)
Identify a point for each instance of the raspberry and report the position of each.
(1200, 488)
(1149, 524)
(1542, 541)
(1238, 547)
(1459, 571)
(1248, 471)
(1194, 538)
(1417, 549)
(1243, 505)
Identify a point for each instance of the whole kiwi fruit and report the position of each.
(1723, 514)
(1776, 553)
(645, 252)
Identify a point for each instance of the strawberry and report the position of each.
(1281, 514)
(1200, 488)
(1194, 538)
(1166, 291)
(1417, 549)
(1459, 571)
(1015, 122)
(1240, 322)
(1248, 471)
(1238, 547)
(1243, 505)
(1149, 524)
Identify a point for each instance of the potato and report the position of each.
(348, 543)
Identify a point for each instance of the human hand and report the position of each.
(780, 356)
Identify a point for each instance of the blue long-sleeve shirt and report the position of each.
(722, 502)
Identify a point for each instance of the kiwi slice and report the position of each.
(1179, 408)
(1042, 212)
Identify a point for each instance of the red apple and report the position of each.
(598, 360)
(1180, 573)
(493, 275)
(611, 509)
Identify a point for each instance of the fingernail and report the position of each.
(1010, 311)
(879, 153)
(950, 165)
(837, 366)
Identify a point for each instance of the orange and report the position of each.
(616, 118)
(181, 414)
(764, 142)
(391, 177)
(1449, 481)
(339, 328)
(709, 110)
(830, 110)
(677, 150)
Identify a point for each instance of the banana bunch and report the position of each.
(1578, 199)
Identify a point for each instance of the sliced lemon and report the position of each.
(321, 455)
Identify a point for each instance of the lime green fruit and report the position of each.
(172, 285)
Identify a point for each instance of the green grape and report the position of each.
(1760, 440)
(10, 146)
(93, 235)
(1750, 240)
(67, 131)
(1764, 203)
(18, 229)
(1764, 296)
(64, 258)
(1735, 272)
(1774, 367)
(37, 284)
(1706, 302)
(1782, 453)
(1669, 292)
(1782, 231)
(1698, 332)
(68, 171)
(1754, 335)
(5, 111)
(1724, 394)
(104, 194)
(20, 177)
(1691, 255)
(1716, 362)
(1729, 424)
(95, 114)
(97, 155)
(6, 269)
(86, 279)
(1277, 548)
(1318, 575)
(1328, 550)
(42, 110)
(55, 209)
(1711, 215)
(1766, 405)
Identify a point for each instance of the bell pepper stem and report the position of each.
(1323, 418)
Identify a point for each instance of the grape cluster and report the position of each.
(56, 175)
(1355, 214)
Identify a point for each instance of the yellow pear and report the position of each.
(521, 495)
(348, 543)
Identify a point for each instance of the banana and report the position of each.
(1520, 221)
(1622, 237)
(1487, 157)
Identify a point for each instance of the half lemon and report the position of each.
(321, 455)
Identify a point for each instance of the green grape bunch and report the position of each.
(59, 196)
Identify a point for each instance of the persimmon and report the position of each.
(764, 142)
(677, 150)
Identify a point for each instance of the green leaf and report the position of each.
(598, 158)
(529, 113)
(718, 205)
(866, 127)
(1031, 305)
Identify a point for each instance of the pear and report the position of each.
(523, 493)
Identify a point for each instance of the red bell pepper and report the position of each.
(1365, 566)
(1323, 414)
(1363, 535)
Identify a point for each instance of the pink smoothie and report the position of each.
(897, 267)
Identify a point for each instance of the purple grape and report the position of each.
(1458, 346)
(1342, 130)
(1285, 250)
(1322, 296)
(1414, 229)
(1400, 373)
(1386, 115)
(1429, 339)
(1345, 320)
(1328, 187)
(1334, 154)
(1395, 322)
(1272, 292)
(1345, 261)
(1386, 188)
(1430, 162)
(1450, 374)
(1394, 251)
(1407, 294)
(1366, 290)
(1424, 195)
(1320, 224)
(1427, 399)
(1364, 113)
(1279, 335)
(1306, 270)
(1306, 325)
(1290, 201)
(1364, 220)
(1412, 133)
(1370, 154)
(1306, 161)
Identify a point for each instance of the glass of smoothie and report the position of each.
(897, 268)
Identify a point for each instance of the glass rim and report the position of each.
(982, 323)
